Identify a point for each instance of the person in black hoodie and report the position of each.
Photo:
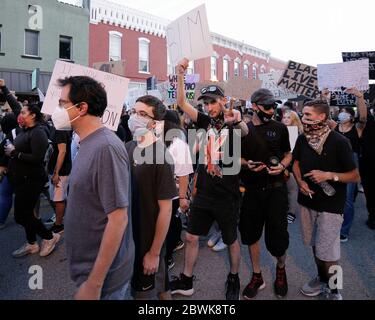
(27, 175)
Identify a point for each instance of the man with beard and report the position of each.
(217, 196)
(265, 155)
(322, 155)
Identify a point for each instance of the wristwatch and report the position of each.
(335, 178)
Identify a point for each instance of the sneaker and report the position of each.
(57, 228)
(50, 220)
(329, 295)
(254, 285)
(171, 264)
(343, 238)
(313, 288)
(182, 285)
(291, 217)
(219, 246)
(213, 240)
(232, 287)
(281, 283)
(26, 249)
(49, 245)
(179, 246)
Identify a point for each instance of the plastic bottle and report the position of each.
(327, 188)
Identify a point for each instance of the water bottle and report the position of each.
(327, 188)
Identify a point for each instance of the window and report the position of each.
(190, 68)
(65, 48)
(114, 45)
(213, 68)
(254, 71)
(144, 46)
(246, 70)
(236, 68)
(225, 70)
(32, 43)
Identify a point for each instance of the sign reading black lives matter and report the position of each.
(351, 56)
(301, 79)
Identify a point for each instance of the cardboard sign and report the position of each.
(269, 81)
(189, 36)
(351, 56)
(347, 74)
(339, 98)
(301, 79)
(132, 95)
(115, 86)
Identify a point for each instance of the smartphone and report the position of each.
(255, 163)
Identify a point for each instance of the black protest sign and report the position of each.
(301, 79)
(339, 98)
(350, 56)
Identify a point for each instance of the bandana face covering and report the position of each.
(316, 133)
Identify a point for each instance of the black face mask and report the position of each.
(264, 117)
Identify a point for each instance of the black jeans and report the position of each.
(26, 197)
(174, 231)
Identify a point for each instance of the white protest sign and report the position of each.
(41, 95)
(155, 93)
(347, 74)
(115, 86)
(293, 135)
(189, 36)
(270, 80)
(133, 95)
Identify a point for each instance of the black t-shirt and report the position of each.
(367, 142)
(219, 189)
(353, 137)
(59, 137)
(149, 183)
(337, 156)
(263, 142)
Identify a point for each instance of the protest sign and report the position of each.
(189, 36)
(301, 79)
(347, 74)
(115, 86)
(191, 81)
(339, 98)
(269, 81)
(132, 95)
(351, 56)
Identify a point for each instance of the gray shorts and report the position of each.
(322, 231)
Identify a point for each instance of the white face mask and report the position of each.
(61, 120)
(137, 122)
(344, 117)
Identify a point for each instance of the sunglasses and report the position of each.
(269, 106)
(212, 89)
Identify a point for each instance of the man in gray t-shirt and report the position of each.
(98, 234)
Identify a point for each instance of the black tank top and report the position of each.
(352, 135)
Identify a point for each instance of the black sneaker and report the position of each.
(232, 287)
(291, 217)
(254, 285)
(57, 228)
(281, 283)
(179, 246)
(182, 285)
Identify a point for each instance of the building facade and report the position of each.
(34, 34)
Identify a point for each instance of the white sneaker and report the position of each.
(26, 249)
(214, 239)
(49, 245)
(220, 245)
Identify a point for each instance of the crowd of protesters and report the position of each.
(121, 199)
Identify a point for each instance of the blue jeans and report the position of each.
(121, 294)
(349, 205)
(6, 199)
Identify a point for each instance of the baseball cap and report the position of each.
(264, 97)
(211, 92)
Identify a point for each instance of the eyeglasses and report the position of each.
(140, 113)
(212, 89)
(269, 106)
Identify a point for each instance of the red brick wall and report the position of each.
(99, 51)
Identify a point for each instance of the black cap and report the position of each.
(264, 97)
(211, 92)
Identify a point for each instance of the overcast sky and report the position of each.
(310, 32)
